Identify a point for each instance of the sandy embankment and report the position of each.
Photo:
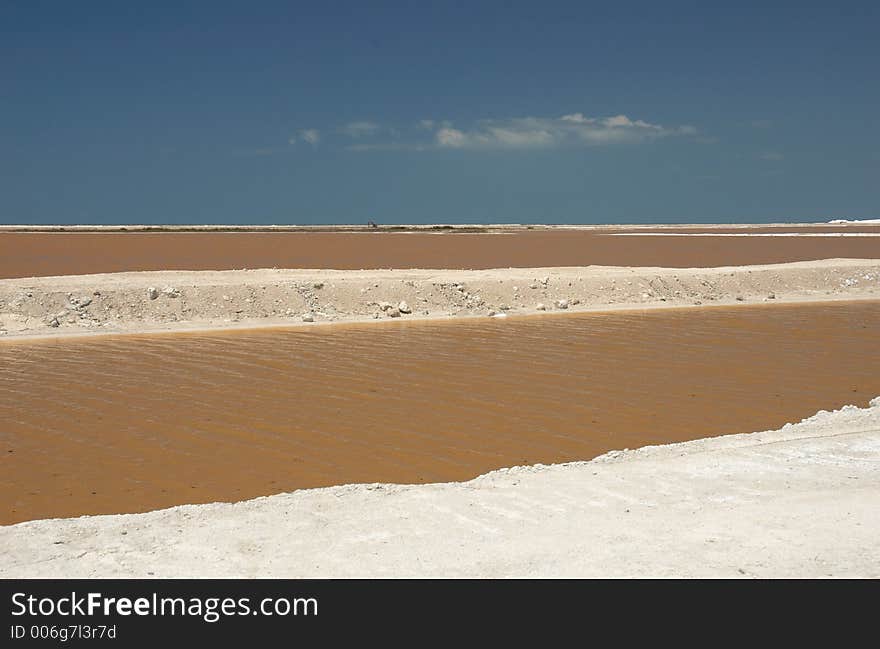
(800, 501)
(186, 300)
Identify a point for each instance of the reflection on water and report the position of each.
(136, 423)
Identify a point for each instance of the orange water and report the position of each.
(134, 423)
(29, 254)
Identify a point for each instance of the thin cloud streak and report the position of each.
(571, 130)
(574, 129)
(308, 135)
(359, 129)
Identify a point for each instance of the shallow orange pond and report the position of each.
(31, 254)
(134, 423)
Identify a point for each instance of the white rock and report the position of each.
(384, 305)
(561, 304)
(541, 306)
(308, 317)
(403, 307)
(170, 291)
(393, 312)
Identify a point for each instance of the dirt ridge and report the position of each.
(156, 301)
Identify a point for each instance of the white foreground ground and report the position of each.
(802, 501)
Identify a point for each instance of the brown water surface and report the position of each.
(33, 254)
(134, 423)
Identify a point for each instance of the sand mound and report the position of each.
(181, 300)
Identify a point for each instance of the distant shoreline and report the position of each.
(435, 227)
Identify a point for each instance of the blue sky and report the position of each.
(336, 112)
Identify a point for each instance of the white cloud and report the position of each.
(618, 120)
(522, 133)
(451, 137)
(359, 129)
(577, 118)
(574, 129)
(388, 146)
(309, 135)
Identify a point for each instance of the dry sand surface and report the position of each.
(796, 502)
(180, 300)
